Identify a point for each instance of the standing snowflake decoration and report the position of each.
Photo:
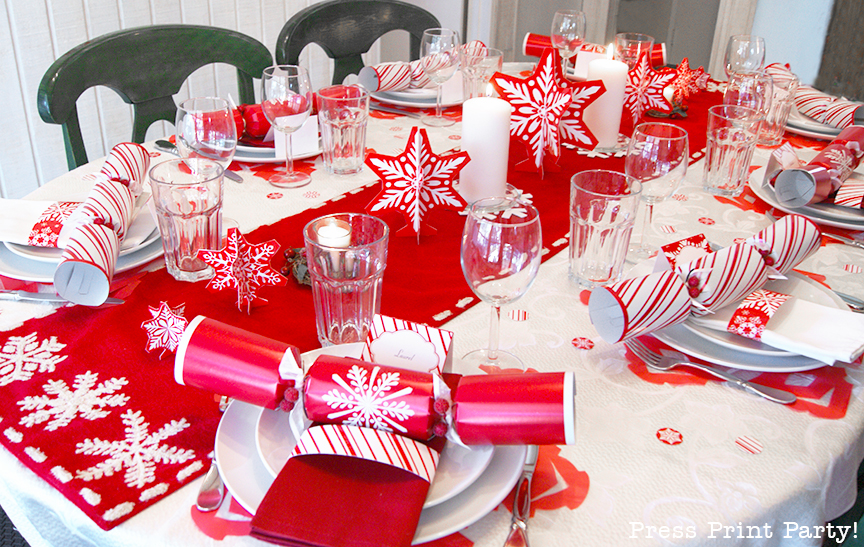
(416, 181)
(367, 402)
(165, 328)
(538, 103)
(243, 267)
(645, 87)
(687, 81)
(573, 129)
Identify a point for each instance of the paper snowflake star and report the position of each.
(645, 88)
(688, 82)
(243, 267)
(367, 400)
(572, 127)
(539, 102)
(416, 181)
(165, 328)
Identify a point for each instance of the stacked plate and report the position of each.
(730, 350)
(262, 154)
(808, 127)
(252, 445)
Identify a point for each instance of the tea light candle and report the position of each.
(603, 116)
(334, 233)
(486, 138)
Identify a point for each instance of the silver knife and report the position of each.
(846, 240)
(393, 110)
(46, 297)
(518, 536)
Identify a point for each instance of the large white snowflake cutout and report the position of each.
(243, 267)
(573, 128)
(645, 87)
(61, 405)
(416, 181)
(22, 356)
(538, 104)
(367, 402)
(138, 453)
(165, 328)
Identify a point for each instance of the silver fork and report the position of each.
(656, 361)
(212, 490)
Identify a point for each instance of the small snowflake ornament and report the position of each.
(243, 267)
(416, 181)
(165, 328)
(687, 81)
(645, 87)
(539, 103)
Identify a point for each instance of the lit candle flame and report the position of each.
(490, 90)
(609, 49)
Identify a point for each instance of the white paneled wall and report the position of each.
(33, 33)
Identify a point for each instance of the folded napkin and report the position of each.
(805, 328)
(346, 486)
(36, 223)
(823, 178)
(701, 286)
(84, 273)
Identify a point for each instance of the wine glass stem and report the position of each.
(438, 101)
(289, 158)
(494, 324)
(646, 222)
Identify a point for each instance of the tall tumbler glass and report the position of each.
(478, 66)
(603, 207)
(346, 254)
(629, 46)
(343, 112)
(732, 135)
(781, 105)
(751, 89)
(187, 195)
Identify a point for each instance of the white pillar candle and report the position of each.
(486, 138)
(334, 233)
(603, 116)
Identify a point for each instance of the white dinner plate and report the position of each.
(808, 127)
(267, 155)
(820, 213)
(397, 100)
(26, 269)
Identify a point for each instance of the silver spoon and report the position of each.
(171, 148)
(212, 490)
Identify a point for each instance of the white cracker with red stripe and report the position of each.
(84, 273)
(850, 194)
(110, 203)
(369, 444)
(394, 76)
(788, 242)
(825, 108)
(428, 346)
(419, 79)
(128, 162)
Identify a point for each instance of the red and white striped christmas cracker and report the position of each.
(638, 306)
(851, 193)
(534, 44)
(127, 162)
(405, 344)
(385, 76)
(723, 277)
(110, 203)
(84, 273)
(419, 79)
(369, 444)
(825, 108)
(787, 242)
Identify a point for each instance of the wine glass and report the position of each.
(205, 129)
(286, 99)
(744, 53)
(439, 55)
(568, 32)
(500, 255)
(657, 157)
(629, 46)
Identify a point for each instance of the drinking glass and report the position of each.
(568, 33)
(731, 138)
(439, 55)
(500, 256)
(286, 99)
(478, 65)
(656, 157)
(751, 89)
(205, 128)
(629, 46)
(781, 104)
(744, 53)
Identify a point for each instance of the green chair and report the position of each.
(145, 66)
(347, 28)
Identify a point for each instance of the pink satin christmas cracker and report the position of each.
(534, 44)
(819, 180)
(516, 409)
(787, 242)
(236, 363)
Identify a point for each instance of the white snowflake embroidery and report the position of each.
(367, 400)
(87, 400)
(22, 356)
(138, 453)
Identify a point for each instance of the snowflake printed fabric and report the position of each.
(367, 402)
(165, 328)
(539, 103)
(243, 267)
(416, 181)
(645, 87)
(60, 404)
(754, 312)
(23, 356)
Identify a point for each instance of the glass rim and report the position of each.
(220, 172)
(294, 70)
(576, 12)
(307, 231)
(682, 132)
(206, 98)
(475, 208)
(635, 36)
(633, 184)
(749, 114)
(363, 92)
(440, 31)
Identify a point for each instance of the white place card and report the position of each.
(304, 141)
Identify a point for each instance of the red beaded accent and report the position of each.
(441, 406)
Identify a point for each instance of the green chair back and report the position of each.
(146, 66)
(347, 28)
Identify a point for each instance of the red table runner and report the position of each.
(89, 410)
